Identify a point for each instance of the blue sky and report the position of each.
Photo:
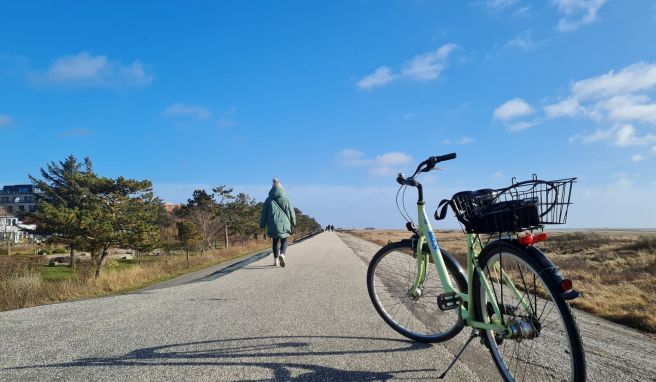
(335, 98)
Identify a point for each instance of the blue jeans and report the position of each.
(278, 250)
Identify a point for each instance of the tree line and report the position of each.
(88, 212)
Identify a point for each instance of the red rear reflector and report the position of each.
(542, 236)
(566, 285)
(526, 240)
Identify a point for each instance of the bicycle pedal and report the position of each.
(448, 301)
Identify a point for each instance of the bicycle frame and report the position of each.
(474, 247)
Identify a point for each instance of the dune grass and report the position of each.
(614, 270)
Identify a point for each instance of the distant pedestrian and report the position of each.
(278, 217)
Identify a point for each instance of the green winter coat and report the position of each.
(277, 214)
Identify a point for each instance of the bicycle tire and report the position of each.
(391, 274)
(550, 348)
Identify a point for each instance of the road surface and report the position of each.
(311, 321)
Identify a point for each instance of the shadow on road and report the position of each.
(278, 358)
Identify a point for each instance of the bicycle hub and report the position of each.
(523, 329)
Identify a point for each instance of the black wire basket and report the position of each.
(526, 205)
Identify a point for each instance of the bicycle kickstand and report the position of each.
(473, 335)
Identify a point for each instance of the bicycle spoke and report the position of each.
(529, 303)
(395, 274)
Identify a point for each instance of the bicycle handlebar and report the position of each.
(431, 162)
(429, 165)
(442, 158)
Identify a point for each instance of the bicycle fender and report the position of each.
(542, 260)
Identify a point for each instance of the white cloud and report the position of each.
(567, 108)
(629, 108)
(84, 69)
(625, 135)
(385, 164)
(623, 100)
(637, 77)
(523, 41)
(428, 66)
(423, 67)
(498, 175)
(351, 157)
(576, 13)
(5, 120)
(393, 158)
(390, 163)
(620, 135)
(512, 109)
(613, 96)
(181, 109)
(381, 76)
(637, 158)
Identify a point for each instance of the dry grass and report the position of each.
(21, 283)
(614, 270)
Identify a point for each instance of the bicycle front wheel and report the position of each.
(391, 276)
(545, 344)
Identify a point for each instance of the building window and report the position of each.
(10, 209)
(21, 208)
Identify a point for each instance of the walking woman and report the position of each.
(279, 217)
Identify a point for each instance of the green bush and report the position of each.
(59, 250)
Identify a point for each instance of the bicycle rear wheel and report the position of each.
(546, 345)
(390, 277)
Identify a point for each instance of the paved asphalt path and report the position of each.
(311, 321)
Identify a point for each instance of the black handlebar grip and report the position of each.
(442, 158)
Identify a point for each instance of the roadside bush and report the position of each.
(643, 243)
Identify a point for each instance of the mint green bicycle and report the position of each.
(511, 294)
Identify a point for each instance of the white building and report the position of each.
(10, 229)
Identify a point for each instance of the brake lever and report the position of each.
(428, 168)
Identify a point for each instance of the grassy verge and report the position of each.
(26, 281)
(614, 270)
